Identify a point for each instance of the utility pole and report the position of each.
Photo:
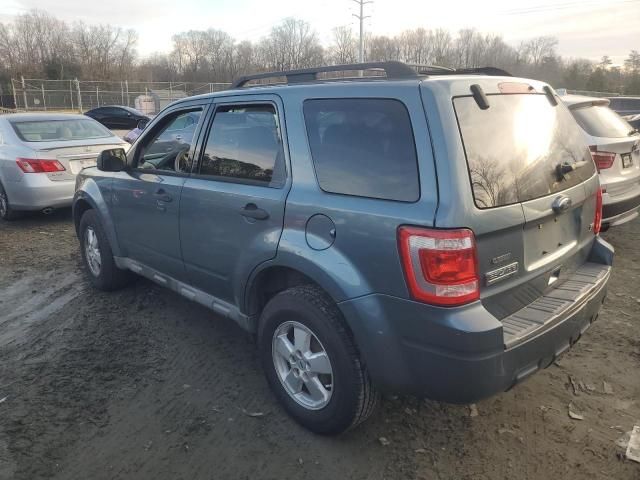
(361, 17)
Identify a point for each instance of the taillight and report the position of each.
(440, 266)
(603, 160)
(597, 217)
(33, 165)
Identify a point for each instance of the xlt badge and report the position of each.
(501, 273)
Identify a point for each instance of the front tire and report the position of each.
(311, 361)
(97, 256)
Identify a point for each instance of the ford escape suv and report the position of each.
(431, 233)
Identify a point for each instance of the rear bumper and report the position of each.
(462, 355)
(36, 191)
(617, 213)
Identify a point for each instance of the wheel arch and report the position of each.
(279, 274)
(89, 197)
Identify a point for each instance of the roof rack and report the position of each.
(392, 69)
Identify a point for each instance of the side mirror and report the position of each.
(142, 123)
(113, 160)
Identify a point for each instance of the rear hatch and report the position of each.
(534, 189)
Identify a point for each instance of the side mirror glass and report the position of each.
(112, 160)
(142, 123)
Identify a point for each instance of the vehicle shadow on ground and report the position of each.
(29, 220)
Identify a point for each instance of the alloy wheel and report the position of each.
(92, 251)
(302, 365)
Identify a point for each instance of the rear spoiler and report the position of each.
(600, 102)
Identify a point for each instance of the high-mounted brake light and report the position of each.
(597, 217)
(440, 266)
(602, 159)
(34, 165)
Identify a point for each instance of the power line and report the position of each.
(361, 16)
(565, 6)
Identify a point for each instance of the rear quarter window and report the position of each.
(521, 148)
(363, 147)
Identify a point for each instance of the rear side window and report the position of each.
(521, 148)
(601, 121)
(363, 147)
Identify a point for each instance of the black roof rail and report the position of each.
(392, 69)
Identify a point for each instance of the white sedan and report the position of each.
(40, 156)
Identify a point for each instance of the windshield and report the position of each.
(521, 148)
(601, 121)
(59, 130)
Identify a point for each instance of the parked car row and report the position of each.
(434, 234)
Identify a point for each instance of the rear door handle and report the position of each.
(163, 196)
(251, 210)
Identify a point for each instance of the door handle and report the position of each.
(163, 196)
(251, 210)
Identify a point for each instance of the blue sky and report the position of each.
(587, 28)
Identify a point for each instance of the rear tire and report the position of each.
(305, 315)
(97, 256)
(6, 212)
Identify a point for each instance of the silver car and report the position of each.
(615, 147)
(40, 156)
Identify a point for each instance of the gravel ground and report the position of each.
(141, 384)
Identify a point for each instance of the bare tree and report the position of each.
(38, 45)
(416, 46)
(442, 47)
(382, 48)
(189, 53)
(539, 48)
(344, 48)
(290, 45)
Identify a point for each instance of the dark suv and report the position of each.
(433, 234)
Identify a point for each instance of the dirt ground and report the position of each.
(143, 384)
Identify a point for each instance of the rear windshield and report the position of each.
(521, 148)
(59, 130)
(601, 121)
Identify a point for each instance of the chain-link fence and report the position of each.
(80, 96)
